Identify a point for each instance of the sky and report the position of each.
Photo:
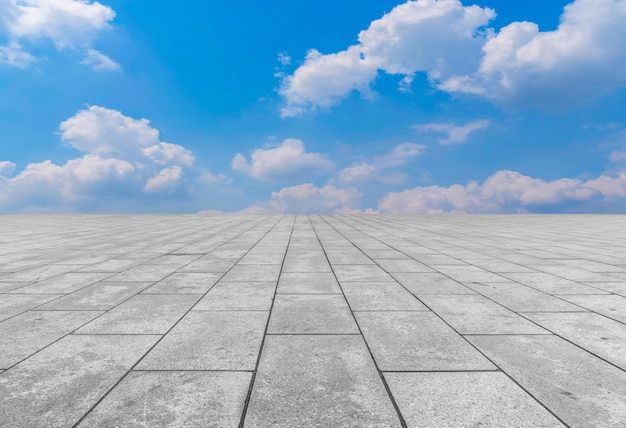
(418, 107)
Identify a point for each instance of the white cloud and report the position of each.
(307, 198)
(377, 171)
(455, 134)
(284, 58)
(66, 23)
(99, 61)
(505, 191)
(7, 168)
(123, 161)
(617, 157)
(518, 67)
(437, 37)
(290, 160)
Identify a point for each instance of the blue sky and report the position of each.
(427, 106)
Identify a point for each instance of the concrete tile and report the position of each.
(113, 265)
(40, 273)
(12, 285)
(579, 388)
(597, 334)
(550, 284)
(31, 331)
(468, 273)
(244, 296)
(316, 262)
(142, 314)
(318, 381)
(474, 314)
(308, 282)
(361, 273)
(179, 260)
(65, 283)
(55, 387)
(466, 400)
(521, 298)
(100, 296)
(609, 305)
(268, 258)
(13, 304)
(145, 272)
(149, 399)
(184, 283)
(417, 341)
(610, 287)
(209, 265)
(311, 314)
(210, 340)
(240, 273)
(380, 296)
(348, 258)
(402, 265)
(431, 283)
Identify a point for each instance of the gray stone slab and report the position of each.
(184, 283)
(209, 265)
(100, 296)
(12, 285)
(308, 283)
(142, 314)
(610, 305)
(13, 304)
(40, 273)
(58, 385)
(468, 273)
(210, 340)
(64, 283)
(241, 273)
(31, 331)
(244, 296)
(171, 398)
(179, 260)
(611, 287)
(380, 296)
(551, 284)
(402, 265)
(474, 314)
(520, 298)
(145, 272)
(306, 381)
(597, 334)
(431, 283)
(417, 341)
(578, 387)
(315, 262)
(361, 273)
(466, 400)
(311, 314)
(266, 258)
(348, 258)
(113, 265)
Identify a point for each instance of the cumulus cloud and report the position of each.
(378, 170)
(66, 23)
(515, 68)
(505, 191)
(308, 198)
(289, 160)
(122, 158)
(454, 134)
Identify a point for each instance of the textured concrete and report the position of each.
(309, 320)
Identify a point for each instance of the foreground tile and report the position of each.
(241, 273)
(142, 314)
(184, 283)
(210, 340)
(318, 381)
(466, 400)
(12, 285)
(380, 296)
(100, 296)
(474, 314)
(239, 296)
(57, 386)
(150, 399)
(308, 283)
(417, 341)
(578, 387)
(311, 314)
(145, 272)
(597, 334)
(31, 331)
(520, 298)
(13, 304)
(612, 306)
(361, 273)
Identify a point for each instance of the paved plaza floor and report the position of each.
(312, 321)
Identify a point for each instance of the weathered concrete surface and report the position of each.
(308, 320)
